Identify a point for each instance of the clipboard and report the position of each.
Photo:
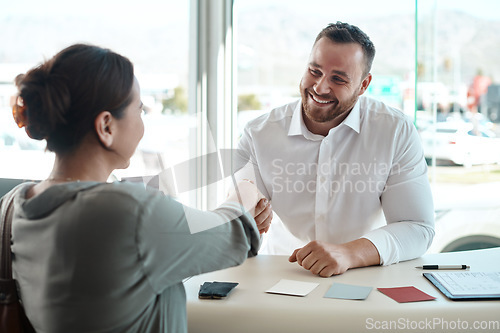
(475, 290)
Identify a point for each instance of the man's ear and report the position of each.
(365, 83)
(104, 128)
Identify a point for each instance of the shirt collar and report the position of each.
(295, 124)
(353, 120)
(298, 127)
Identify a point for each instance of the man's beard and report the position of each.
(326, 114)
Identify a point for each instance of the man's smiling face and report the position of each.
(332, 82)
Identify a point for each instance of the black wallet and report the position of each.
(216, 290)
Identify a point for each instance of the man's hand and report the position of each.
(325, 259)
(263, 215)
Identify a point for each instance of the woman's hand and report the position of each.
(249, 196)
(263, 215)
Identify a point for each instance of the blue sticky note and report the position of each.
(348, 291)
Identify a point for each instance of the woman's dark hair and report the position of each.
(62, 97)
(346, 33)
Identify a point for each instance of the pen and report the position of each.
(443, 267)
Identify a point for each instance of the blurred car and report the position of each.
(461, 143)
(467, 216)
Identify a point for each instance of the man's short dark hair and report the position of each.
(345, 33)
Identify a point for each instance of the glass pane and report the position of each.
(153, 34)
(270, 67)
(458, 93)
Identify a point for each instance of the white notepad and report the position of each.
(467, 285)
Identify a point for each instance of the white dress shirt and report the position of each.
(367, 178)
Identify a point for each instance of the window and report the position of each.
(458, 118)
(270, 67)
(443, 52)
(435, 61)
(153, 34)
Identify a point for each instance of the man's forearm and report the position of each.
(362, 253)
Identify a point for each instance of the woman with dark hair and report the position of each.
(92, 256)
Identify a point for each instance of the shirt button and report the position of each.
(321, 218)
(322, 179)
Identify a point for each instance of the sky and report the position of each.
(487, 9)
(133, 10)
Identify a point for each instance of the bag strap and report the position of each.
(6, 228)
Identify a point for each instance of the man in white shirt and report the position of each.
(345, 173)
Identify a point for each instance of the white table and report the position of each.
(249, 309)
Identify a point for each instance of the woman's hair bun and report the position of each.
(62, 97)
(46, 99)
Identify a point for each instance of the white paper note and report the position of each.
(291, 287)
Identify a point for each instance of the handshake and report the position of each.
(247, 194)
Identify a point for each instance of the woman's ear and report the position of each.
(104, 128)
